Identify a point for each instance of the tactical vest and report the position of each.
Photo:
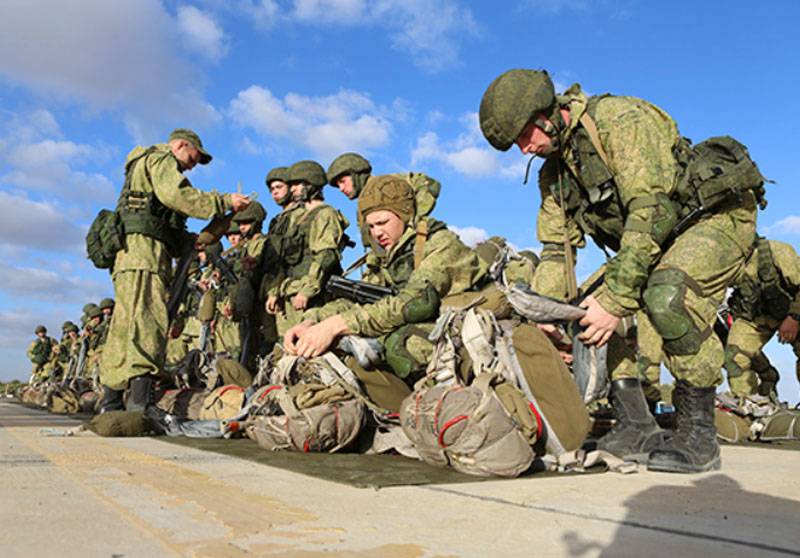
(143, 213)
(397, 272)
(295, 251)
(765, 295)
(41, 351)
(591, 198)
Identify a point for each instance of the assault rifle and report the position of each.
(179, 285)
(357, 291)
(81, 357)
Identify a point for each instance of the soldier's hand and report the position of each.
(203, 285)
(598, 322)
(227, 311)
(318, 338)
(239, 202)
(272, 304)
(787, 332)
(299, 301)
(290, 337)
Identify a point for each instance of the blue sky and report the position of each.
(268, 82)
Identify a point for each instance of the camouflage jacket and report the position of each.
(768, 294)
(159, 172)
(447, 265)
(638, 138)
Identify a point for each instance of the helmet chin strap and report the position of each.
(553, 128)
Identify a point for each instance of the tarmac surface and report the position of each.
(90, 496)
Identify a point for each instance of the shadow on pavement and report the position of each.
(714, 516)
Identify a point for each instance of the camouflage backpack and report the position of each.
(104, 239)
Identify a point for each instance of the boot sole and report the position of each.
(713, 465)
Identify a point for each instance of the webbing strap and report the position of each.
(591, 129)
(419, 242)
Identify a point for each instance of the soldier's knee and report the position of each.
(398, 356)
(733, 368)
(665, 304)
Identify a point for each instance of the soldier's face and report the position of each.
(345, 185)
(297, 191)
(278, 190)
(234, 239)
(41, 334)
(186, 154)
(534, 141)
(72, 335)
(245, 227)
(385, 228)
(108, 311)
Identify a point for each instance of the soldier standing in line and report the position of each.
(611, 170)
(311, 249)
(765, 301)
(153, 206)
(40, 352)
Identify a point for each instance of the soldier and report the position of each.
(611, 170)
(349, 173)
(766, 300)
(40, 351)
(423, 261)
(311, 248)
(153, 206)
(107, 306)
(272, 271)
(68, 350)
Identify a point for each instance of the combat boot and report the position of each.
(636, 432)
(111, 400)
(141, 393)
(693, 448)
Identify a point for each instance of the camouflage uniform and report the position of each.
(41, 354)
(137, 336)
(766, 293)
(520, 268)
(612, 171)
(421, 273)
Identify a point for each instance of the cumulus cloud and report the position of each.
(40, 225)
(38, 158)
(106, 54)
(467, 154)
(327, 126)
(45, 284)
(471, 236)
(201, 33)
(431, 31)
(787, 225)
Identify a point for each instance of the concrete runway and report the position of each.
(90, 496)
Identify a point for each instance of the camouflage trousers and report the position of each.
(749, 370)
(137, 335)
(709, 256)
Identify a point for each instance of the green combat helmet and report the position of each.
(106, 303)
(353, 164)
(72, 327)
(512, 101)
(389, 193)
(95, 312)
(253, 213)
(279, 174)
(40, 329)
(87, 308)
(233, 228)
(312, 175)
(66, 326)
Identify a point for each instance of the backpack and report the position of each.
(183, 403)
(225, 402)
(104, 239)
(63, 400)
(474, 429)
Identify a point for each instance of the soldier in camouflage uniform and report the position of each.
(418, 257)
(766, 300)
(69, 348)
(40, 352)
(612, 171)
(153, 207)
(310, 251)
(107, 306)
(271, 269)
(350, 172)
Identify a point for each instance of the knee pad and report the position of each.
(397, 356)
(734, 370)
(422, 308)
(665, 304)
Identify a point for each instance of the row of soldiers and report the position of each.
(76, 355)
(276, 281)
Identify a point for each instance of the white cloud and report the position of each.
(787, 225)
(468, 154)
(328, 126)
(202, 33)
(471, 236)
(110, 55)
(44, 284)
(39, 225)
(39, 159)
(431, 31)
